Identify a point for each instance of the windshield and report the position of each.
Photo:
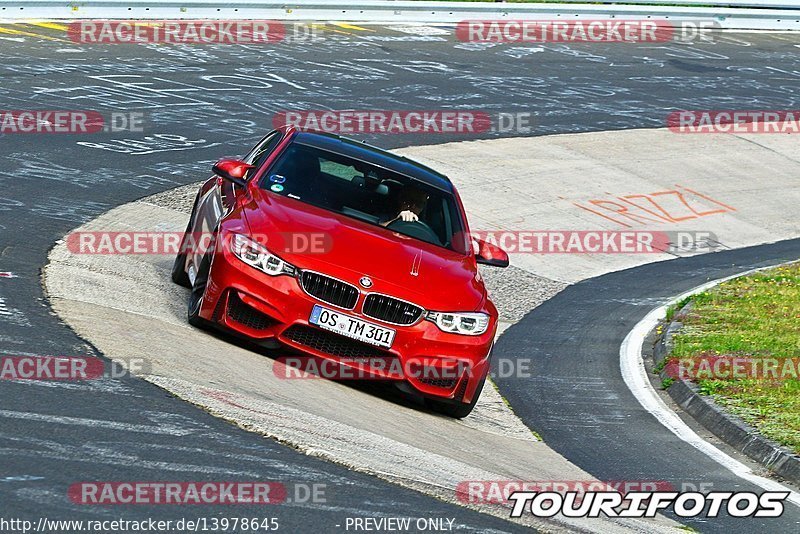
(368, 193)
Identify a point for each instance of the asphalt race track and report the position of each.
(204, 102)
(578, 399)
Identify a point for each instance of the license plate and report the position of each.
(352, 327)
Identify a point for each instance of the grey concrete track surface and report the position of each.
(109, 299)
(203, 102)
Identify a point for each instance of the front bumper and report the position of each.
(267, 308)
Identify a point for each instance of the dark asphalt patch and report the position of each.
(578, 401)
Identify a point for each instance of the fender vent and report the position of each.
(247, 315)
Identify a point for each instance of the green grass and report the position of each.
(752, 316)
(673, 308)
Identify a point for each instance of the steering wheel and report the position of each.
(417, 229)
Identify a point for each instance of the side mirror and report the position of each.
(232, 170)
(490, 254)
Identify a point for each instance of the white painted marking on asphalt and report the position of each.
(20, 478)
(171, 430)
(635, 376)
(418, 29)
(12, 315)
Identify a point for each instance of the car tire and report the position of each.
(179, 275)
(457, 410)
(199, 289)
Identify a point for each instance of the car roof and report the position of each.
(375, 156)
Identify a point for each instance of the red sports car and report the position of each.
(344, 252)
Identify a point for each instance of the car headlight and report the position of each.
(259, 257)
(468, 324)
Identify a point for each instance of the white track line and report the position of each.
(3, 308)
(635, 376)
(170, 430)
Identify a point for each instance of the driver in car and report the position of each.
(411, 202)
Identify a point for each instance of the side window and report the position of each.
(263, 149)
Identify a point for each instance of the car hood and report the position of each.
(342, 247)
